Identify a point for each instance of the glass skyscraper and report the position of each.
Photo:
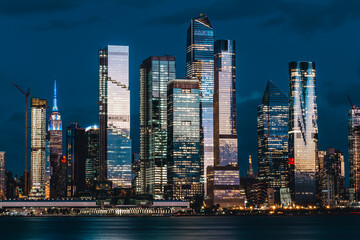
(92, 156)
(303, 131)
(272, 128)
(114, 116)
(184, 166)
(76, 159)
(58, 177)
(331, 177)
(155, 73)
(200, 65)
(2, 176)
(38, 158)
(354, 152)
(223, 185)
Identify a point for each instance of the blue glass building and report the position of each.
(200, 65)
(155, 73)
(272, 128)
(184, 166)
(114, 116)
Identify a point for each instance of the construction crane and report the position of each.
(26, 93)
(351, 105)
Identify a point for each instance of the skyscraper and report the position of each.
(184, 140)
(272, 131)
(47, 167)
(92, 156)
(155, 73)
(58, 177)
(354, 152)
(224, 177)
(76, 158)
(200, 65)
(38, 137)
(303, 131)
(332, 177)
(2, 176)
(114, 116)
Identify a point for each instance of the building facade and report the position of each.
(200, 66)
(58, 168)
(155, 73)
(38, 138)
(114, 116)
(2, 175)
(272, 128)
(92, 167)
(303, 131)
(331, 177)
(223, 179)
(76, 159)
(184, 165)
(354, 152)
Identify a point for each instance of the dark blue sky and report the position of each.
(41, 39)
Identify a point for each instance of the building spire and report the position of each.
(250, 172)
(55, 108)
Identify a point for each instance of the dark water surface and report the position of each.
(242, 227)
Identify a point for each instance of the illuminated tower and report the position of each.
(38, 142)
(92, 156)
(114, 116)
(223, 180)
(2, 176)
(354, 152)
(184, 140)
(200, 65)
(250, 171)
(156, 72)
(303, 131)
(58, 176)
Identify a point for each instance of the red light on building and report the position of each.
(291, 161)
(63, 159)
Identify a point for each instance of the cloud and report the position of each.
(301, 16)
(23, 7)
(27, 7)
(61, 24)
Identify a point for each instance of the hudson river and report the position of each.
(241, 227)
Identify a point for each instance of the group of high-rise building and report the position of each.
(188, 136)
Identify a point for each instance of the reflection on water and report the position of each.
(242, 227)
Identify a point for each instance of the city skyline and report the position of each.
(14, 162)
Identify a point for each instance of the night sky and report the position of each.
(43, 39)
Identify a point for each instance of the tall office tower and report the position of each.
(2, 176)
(38, 137)
(200, 65)
(58, 176)
(224, 177)
(155, 73)
(184, 169)
(47, 167)
(92, 156)
(114, 116)
(303, 131)
(332, 177)
(272, 131)
(76, 158)
(354, 152)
